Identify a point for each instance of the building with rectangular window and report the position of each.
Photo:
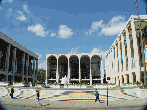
(17, 64)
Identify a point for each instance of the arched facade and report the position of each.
(78, 68)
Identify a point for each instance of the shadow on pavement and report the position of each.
(2, 107)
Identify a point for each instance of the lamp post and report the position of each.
(108, 78)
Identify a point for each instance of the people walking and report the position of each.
(37, 98)
(97, 96)
(12, 91)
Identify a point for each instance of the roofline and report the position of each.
(17, 45)
(135, 17)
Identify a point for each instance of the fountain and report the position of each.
(64, 80)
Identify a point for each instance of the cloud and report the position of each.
(74, 50)
(10, 1)
(42, 64)
(22, 17)
(114, 27)
(53, 34)
(40, 55)
(25, 8)
(95, 26)
(38, 29)
(99, 50)
(65, 32)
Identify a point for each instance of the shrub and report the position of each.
(124, 84)
(135, 83)
(84, 84)
(5, 81)
(56, 83)
(49, 83)
(18, 82)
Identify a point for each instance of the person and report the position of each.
(137, 83)
(97, 96)
(12, 91)
(37, 99)
(9, 83)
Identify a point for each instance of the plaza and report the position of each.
(73, 98)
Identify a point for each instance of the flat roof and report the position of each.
(17, 45)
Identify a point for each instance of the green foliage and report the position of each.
(79, 84)
(124, 84)
(18, 82)
(56, 84)
(4, 81)
(104, 84)
(41, 76)
(144, 86)
(113, 83)
(141, 82)
(135, 83)
(49, 83)
(53, 83)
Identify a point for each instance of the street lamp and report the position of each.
(108, 78)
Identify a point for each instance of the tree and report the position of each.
(41, 75)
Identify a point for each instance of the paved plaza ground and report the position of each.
(72, 98)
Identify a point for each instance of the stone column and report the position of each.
(47, 69)
(117, 80)
(37, 70)
(29, 68)
(111, 73)
(14, 60)
(106, 66)
(116, 61)
(121, 79)
(145, 61)
(125, 78)
(111, 81)
(102, 70)
(123, 54)
(23, 61)
(136, 51)
(7, 61)
(57, 71)
(68, 76)
(33, 79)
(119, 57)
(79, 69)
(90, 73)
(113, 64)
(110, 66)
(132, 77)
(129, 54)
(27, 65)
